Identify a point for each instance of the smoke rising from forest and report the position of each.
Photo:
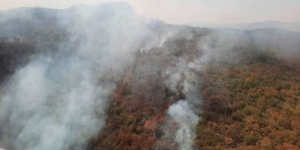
(60, 98)
(187, 120)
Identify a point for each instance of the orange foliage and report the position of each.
(251, 106)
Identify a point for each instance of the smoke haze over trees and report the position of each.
(102, 77)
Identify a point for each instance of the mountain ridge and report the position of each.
(292, 26)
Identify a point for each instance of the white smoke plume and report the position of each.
(183, 114)
(57, 100)
(184, 78)
(46, 111)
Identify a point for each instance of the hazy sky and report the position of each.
(189, 11)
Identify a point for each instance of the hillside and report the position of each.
(291, 26)
(100, 77)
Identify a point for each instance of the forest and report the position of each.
(93, 81)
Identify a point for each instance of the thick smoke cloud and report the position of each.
(60, 98)
(50, 112)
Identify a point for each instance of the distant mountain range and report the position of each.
(292, 26)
